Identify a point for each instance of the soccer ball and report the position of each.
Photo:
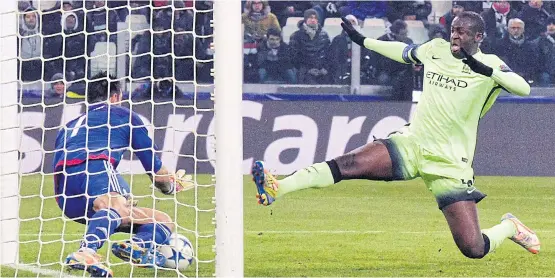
(178, 252)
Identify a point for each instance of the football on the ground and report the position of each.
(178, 252)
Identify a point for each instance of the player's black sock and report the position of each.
(335, 172)
(486, 244)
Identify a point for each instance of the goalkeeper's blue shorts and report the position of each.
(77, 189)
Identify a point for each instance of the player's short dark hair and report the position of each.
(273, 32)
(101, 88)
(477, 22)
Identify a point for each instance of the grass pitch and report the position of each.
(355, 228)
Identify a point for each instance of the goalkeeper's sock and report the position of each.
(102, 224)
(318, 175)
(498, 233)
(146, 233)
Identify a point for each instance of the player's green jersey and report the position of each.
(454, 99)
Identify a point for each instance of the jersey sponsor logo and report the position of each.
(443, 81)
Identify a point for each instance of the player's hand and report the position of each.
(179, 182)
(355, 36)
(476, 65)
(182, 181)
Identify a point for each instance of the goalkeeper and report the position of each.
(90, 191)
(460, 85)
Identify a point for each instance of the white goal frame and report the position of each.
(228, 82)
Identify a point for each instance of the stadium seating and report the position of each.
(332, 26)
(416, 31)
(100, 61)
(373, 28)
(290, 27)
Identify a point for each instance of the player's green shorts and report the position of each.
(448, 184)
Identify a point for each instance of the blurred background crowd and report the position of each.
(65, 42)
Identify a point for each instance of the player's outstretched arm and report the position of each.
(390, 49)
(509, 80)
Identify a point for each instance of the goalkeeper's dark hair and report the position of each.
(102, 87)
(478, 24)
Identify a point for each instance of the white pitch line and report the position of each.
(41, 271)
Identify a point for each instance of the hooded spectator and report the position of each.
(309, 47)
(258, 19)
(74, 45)
(30, 45)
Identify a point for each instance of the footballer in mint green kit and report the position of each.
(460, 85)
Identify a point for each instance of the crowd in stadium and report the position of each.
(60, 44)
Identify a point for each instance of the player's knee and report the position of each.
(117, 203)
(473, 252)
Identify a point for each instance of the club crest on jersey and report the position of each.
(466, 69)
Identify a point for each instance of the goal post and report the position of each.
(228, 83)
(9, 134)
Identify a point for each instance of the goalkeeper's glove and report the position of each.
(355, 36)
(476, 65)
(179, 182)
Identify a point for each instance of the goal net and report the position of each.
(163, 55)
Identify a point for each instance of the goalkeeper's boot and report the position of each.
(266, 184)
(143, 257)
(89, 261)
(524, 236)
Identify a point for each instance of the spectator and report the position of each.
(69, 6)
(340, 55)
(203, 28)
(327, 9)
(409, 10)
(367, 9)
(535, 18)
(437, 31)
(447, 18)
(274, 62)
(398, 75)
(546, 45)
(285, 9)
(520, 53)
(162, 47)
(471, 5)
(30, 45)
(309, 47)
(258, 19)
(185, 52)
(496, 20)
(58, 88)
(74, 46)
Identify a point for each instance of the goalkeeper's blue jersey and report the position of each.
(105, 132)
